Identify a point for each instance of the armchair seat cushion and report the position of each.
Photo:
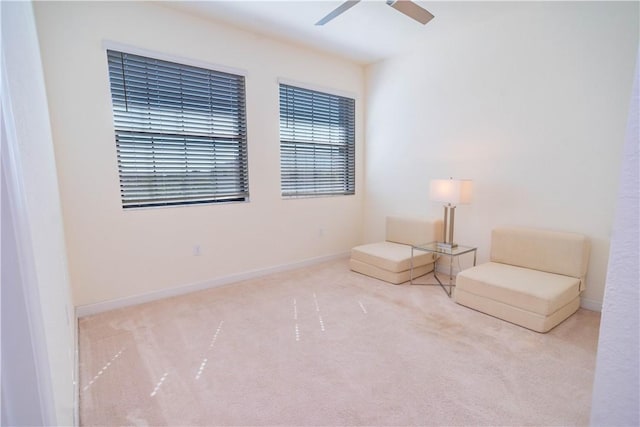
(390, 256)
(390, 260)
(532, 290)
(389, 276)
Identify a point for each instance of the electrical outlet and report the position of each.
(197, 250)
(320, 232)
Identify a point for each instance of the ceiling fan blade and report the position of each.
(412, 10)
(337, 11)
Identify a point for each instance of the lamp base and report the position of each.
(447, 229)
(445, 245)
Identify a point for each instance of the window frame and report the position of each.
(344, 144)
(210, 175)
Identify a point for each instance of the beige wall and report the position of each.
(118, 254)
(531, 105)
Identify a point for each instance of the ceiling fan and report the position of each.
(407, 7)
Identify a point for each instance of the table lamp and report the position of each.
(452, 192)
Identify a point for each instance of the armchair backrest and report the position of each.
(544, 250)
(412, 231)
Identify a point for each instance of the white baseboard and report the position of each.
(90, 309)
(590, 304)
(76, 372)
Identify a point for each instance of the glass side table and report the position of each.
(439, 251)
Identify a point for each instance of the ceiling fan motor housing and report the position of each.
(407, 7)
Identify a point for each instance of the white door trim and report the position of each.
(12, 172)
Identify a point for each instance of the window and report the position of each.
(180, 132)
(317, 143)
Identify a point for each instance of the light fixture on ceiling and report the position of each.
(409, 8)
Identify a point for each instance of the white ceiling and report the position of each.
(366, 33)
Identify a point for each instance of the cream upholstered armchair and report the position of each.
(390, 260)
(534, 278)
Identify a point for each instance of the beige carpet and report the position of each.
(326, 346)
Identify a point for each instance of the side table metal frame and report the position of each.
(438, 252)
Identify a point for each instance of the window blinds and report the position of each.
(317, 143)
(180, 132)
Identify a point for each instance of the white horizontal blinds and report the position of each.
(317, 143)
(180, 132)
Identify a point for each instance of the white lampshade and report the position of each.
(453, 191)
